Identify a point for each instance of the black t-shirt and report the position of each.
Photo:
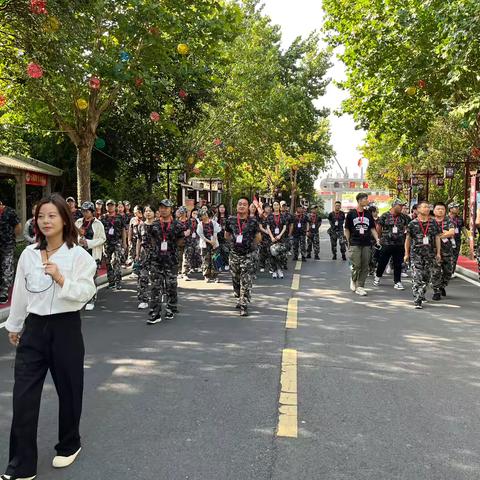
(337, 220)
(315, 222)
(114, 226)
(360, 225)
(417, 231)
(243, 233)
(300, 223)
(170, 233)
(277, 221)
(8, 221)
(393, 228)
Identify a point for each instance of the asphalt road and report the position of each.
(384, 391)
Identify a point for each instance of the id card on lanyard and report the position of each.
(277, 223)
(239, 239)
(362, 229)
(111, 230)
(395, 228)
(164, 244)
(426, 239)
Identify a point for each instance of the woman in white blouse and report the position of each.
(54, 280)
(208, 231)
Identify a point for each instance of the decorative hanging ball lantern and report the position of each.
(440, 181)
(183, 49)
(449, 172)
(138, 82)
(94, 83)
(3, 100)
(169, 109)
(230, 149)
(100, 143)
(81, 104)
(38, 7)
(411, 91)
(422, 84)
(34, 70)
(475, 152)
(201, 154)
(217, 142)
(196, 170)
(190, 160)
(154, 116)
(182, 94)
(52, 24)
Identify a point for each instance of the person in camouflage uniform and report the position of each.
(182, 217)
(264, 254)
(298, 232)
(190, 260)
(289, 219)
(313, 238)
(245, 234)
(10, 227)
(208, 230)
(116, 238)
(392, 228)
(454, 210)
(422, 246)
(167, 234)
(277, 226)
(132, 233)
(442, 271)
(336, 231)
(143, 255)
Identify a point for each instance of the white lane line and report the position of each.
(469, 280)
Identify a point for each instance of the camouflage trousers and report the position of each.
(242, 268)
(264, 255)
(208, 268)
(280, 261)
(299, 244)
(337, 236)
(113, 257)
(313, 242)
(143, 278)
(442, 272)
(164, 280)
(422, 267)
(7, 269)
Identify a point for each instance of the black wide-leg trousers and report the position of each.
(55, 343)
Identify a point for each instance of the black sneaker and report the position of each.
(317, 257)
(437, 296)
(418, 304)
(169, 314)
(443, 292)
(173, 308)
(309, 255)
(243, 311)
(3, 299)
(304, 259)
(118, 287)
(334, 257)
(238, 306)
(344, 258)
(155, 318)
(111, 286)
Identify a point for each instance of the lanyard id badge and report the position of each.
(457, 230)
(336, 223)
(426, 240)
(313, 226)
(299, 225)
(362, 231)
(194, 235)
(445, 240)
(239, 238)
(277, 230)
(395, 229)
(111, 231)
(164, 246)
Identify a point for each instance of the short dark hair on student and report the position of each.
(338, 202)
(361, 196)
(440, 204)
(422, 202)
(244, 198)
(70, 232)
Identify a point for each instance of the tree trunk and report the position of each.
(84, 169)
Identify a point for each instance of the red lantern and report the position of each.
(34, 70)
(3, 100)
(154, 116)
(475, 152)
(201, 154)
(196, 170)
(217, 142)
(94, 83)
(422, 84)
(183, 94)
(38, 7)
(138, 82)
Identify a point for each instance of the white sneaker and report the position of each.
(376, 281)
(62, 462)
(353, 286)
(89, 306)
(143, 306)
(404, 275)
(262, 270)
(399, 286)
(361, 291)
(227, 268)
(279, 273)
(274, 275)
(8, 477)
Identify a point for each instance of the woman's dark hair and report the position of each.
(70, 232)
(218, 210)
(139, 208)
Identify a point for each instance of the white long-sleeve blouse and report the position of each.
(36, 292)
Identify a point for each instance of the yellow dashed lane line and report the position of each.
(287, 418)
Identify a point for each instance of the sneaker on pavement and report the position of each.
(361, 291)
(344, 258)
(118, 287)
(353, 285)
(399, 286)
(243, 311)
(3, 299)
(376, 281)
(334, 257)
(155, 318)
(262, 270)
(169, 314)
(186, 278)
(317, 257)
(443, 292)
(111, 286)
(404, 275)
(142, 305)
(227, 268)
(279, 273)
(9, 477)
(61, 462)
(304, 259)
(89, 306)
(437, 296)
(274, 275)
(238, 306)
(418, 304)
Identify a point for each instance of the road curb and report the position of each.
(467, 273)
(101, 280)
